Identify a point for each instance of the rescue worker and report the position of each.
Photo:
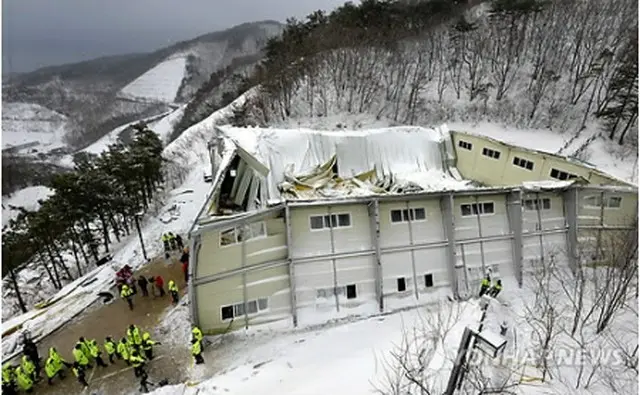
(184, 259)
(80, 358)
(179, 242)
(172, 240)
(495, 289)
(95, 353)
(111, 348)
(9, 379)
(197, 333)
(127, 294)
(124, 351)
(165, 242)
(196, 351)
(147, 345)
(52, 368)
(28, 367)
(78, 371)
(53, 353)
(30, 349)
(173, 290)
(137, 362)
(84, 347)
(25, 382)
(134, 337)
(142, 283)
(484, 285)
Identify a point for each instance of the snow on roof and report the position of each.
(407, 157)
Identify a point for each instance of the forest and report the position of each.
(559, 65)
(93, 207)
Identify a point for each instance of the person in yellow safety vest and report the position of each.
(84, 347)
(133, 336)
(495, 289)
(165, 242)
(147, 345)
(173, 290)
(53, 353)
(138, 363)
(53, 368)
(127, 294)
(8, 379)
(196, 333)
(80, 357)
(95, 353)
(124, 350)
(24, 380)
(172, 240)
(28, 367)
(78, 371)
(196, 351)
(484, 285)
(111, 348)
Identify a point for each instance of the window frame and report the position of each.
(399, 281)
(426, 283)
(237, 309)
(523, 163)
(599, 202)
(324, 222)
(570, 176)
(491, 153)
(402, 217)
(465, 145)
(236, 234)
(476, 214)
(355, 291)
(536, 204)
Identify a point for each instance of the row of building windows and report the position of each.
(237, 310)
(343, 220)
(519, 162)
(351, 291)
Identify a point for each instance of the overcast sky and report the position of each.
(38, 33)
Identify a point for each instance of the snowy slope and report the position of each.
(161, 83)
(164, 126)
(24, 123)
(26, 198)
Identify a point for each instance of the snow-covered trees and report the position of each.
(97, 200)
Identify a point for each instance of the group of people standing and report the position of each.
(127, 292)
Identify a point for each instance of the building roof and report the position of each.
(306, 164)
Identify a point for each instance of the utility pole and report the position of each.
(137, 220)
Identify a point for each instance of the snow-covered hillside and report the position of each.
(161, 83)
(26, 198)
(34, 126)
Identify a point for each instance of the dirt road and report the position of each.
(100, 321)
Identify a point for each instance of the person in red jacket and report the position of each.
(159, 283)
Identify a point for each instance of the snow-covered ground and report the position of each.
(26, 198)
(164, 126)
(24, 123)
(161, 83)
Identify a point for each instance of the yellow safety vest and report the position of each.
(196, 348)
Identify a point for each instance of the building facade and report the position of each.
(300, 259)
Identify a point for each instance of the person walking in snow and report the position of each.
(184, 259)
(159, 283)
(495, 289)
(485, 284)
(134, 337)
(95, 353)
(172, 241)
(24, 380)
(147, 345)
(111, 349)
(196, 351)
(9, 379)
(30, 349)
(127, 294)
(142, 283)
(52, 368)
(78, 371)
(80, 357)
(173, 289)
(165, 242)
(124, 350)
(179, 242)
(137, 362)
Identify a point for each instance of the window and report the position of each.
(562, 175)
(402, 284)
(318, 222)
(416, 214)
(491, 153)
(609, 202)
(465, 145)
(237, 309)
(536, 204)
(428, 280)
(351, 291)
(227, 312)
(243, 232)
(330, 292)
(483, 208)
(525, 164)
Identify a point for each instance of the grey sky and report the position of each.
(38, 33)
